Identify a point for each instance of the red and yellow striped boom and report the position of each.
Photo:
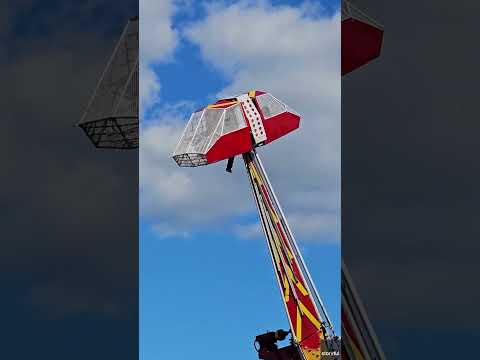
(308, 319)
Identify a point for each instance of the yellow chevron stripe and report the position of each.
(251, 93)
(287, 289)
(309, 315)
(297, 282)
(274, 216)
(301, 288)
(277, 260)
(214, 106)
(275, 254)
(255, 174)
(298, 333)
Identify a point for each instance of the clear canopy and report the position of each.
(203, 130)
(270, 106)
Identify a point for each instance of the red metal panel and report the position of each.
(229, 145)
(280, 125)
(361, 43)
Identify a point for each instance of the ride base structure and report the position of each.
(238, 126)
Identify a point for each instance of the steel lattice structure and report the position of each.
(111, 118)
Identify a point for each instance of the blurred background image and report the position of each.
(205, 271)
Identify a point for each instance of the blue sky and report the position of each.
(206, 280)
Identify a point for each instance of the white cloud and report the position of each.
(316, 226)
(149, 86)
(296, 58)
(319, 227)
(249, 231)
(158, 41)
(157, 36)
(169, 231)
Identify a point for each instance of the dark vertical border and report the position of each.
(69, 249)
(410, 174)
